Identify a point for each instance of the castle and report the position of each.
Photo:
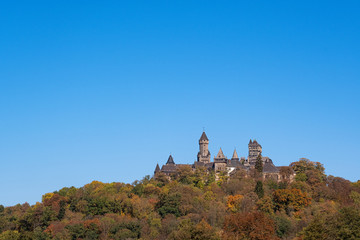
(223, 164)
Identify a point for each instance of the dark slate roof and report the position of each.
(209, 165)
(170, 160)
(168, 168)
(203, 137)
(157, 169)
(270, 168)
(184, 164)
(206, 165)
(235, 163)
(199, 164)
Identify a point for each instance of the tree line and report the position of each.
(195, 206)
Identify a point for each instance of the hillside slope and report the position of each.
(193, 206)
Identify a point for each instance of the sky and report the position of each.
(105, 90)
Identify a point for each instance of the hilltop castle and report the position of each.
(222, 164)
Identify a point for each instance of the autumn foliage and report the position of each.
(195, 206)
(250, 225)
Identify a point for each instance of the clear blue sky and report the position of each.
(104, 90)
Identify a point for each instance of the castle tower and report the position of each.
(255, 150)
(220, 161)
(204, 154)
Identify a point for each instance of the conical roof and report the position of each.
(157, 169)
(203, 137)
(235, 156)
(250, 141)
(220, 154)
(170, 160)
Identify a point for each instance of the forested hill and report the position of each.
(195, 206)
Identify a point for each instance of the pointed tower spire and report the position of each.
(157, 169)
(170, 160)
(235, 155)
(203, 137)
(250, 142)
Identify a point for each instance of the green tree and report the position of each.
(259, 164)
(169, 204)
(10, 235)
(188, 230)
(283, 226)
(259, 190)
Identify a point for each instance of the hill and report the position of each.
(192, 205)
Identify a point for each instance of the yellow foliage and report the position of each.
(233, 202)
(47, 196)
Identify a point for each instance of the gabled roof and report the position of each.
(220, 154)
(170, 160)
(203, 137)
(235, 156)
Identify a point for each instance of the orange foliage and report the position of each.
(285, 198)
(233, 202)
(92, 222)
(249, 225)
(55, 228)
(53, 200)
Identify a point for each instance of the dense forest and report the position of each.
(195, 206)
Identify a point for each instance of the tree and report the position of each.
(188, 230)
(259, 164)
(10, 235)
(339, 189)
(169, 204)
(266, 205)
(306, 170)
(234, 202)
(283, 226)
(340, 225)
(184, 174)
(203, 230)
(289, 199)
(249, 225)
(259, 190)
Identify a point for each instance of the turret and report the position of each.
(170, 160)
(204, 154)
(235, 156)
(157, 169)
